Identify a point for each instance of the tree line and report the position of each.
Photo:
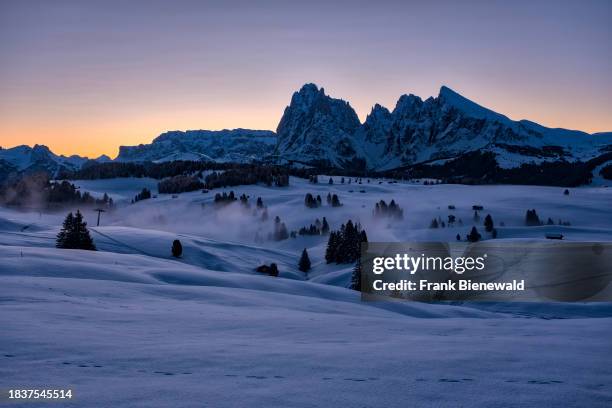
(36, 190)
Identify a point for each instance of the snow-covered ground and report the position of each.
(130, 326)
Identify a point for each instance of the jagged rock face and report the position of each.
(315, 127)
(238, 145)
(439, 127)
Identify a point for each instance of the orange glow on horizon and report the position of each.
(94, 136)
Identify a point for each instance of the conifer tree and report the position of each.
(304, 264)
(74, 234)
(356, 276)
(473, 236)
(177, 248)
(363, 237)
(324, 227)
(335, 201)
(273, 269)
(488, 223)
(531, 218)
(282, 232)
(332, 247)
(64, 240)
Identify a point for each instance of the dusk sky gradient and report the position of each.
(84, 77)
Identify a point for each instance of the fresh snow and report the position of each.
(128, 325)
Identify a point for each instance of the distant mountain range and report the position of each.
(316, 129)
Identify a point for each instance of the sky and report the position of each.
(84, 77)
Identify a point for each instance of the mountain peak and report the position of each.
(463, 104)
(317, 127)
(446, 91)
(310, 88)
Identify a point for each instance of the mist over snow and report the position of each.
(132, 319)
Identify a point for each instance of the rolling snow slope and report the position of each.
(129, 325)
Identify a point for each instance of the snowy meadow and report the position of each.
(130, 325)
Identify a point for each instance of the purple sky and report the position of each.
(86, 76)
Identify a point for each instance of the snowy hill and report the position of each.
(237, 145)
(132, 319)
(38, 158)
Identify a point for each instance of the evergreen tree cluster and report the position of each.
(356, 276)
(280, 232)
(482, 168)
(381, 209)
(225, 198)
(318, 228)
(311, 202)
(244, 201)
(438, 223)
(94, 171)
(74, 234)
(179, 184)
(532, 219)
(333, 200)
(344, 245)
(270, 176)
(235, 171)
(36, 190)
(143, 195)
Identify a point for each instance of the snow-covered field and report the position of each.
(130, 326)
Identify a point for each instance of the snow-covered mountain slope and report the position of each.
(437, 128)
(315, 127)
(236, 145)
(38, 158)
